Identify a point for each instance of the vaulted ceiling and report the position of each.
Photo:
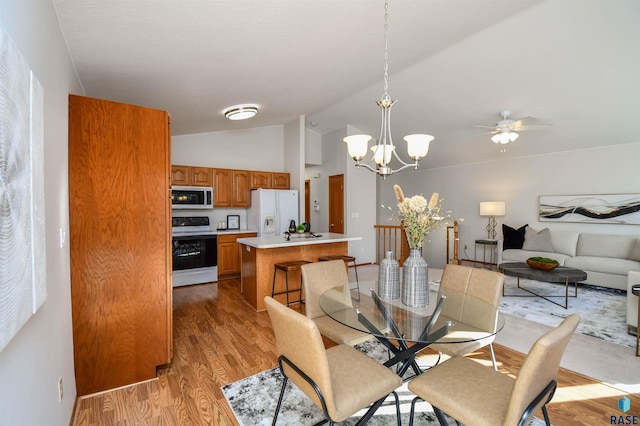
(452, 65)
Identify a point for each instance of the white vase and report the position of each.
(389, 277)
(415, 280)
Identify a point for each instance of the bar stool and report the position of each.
(287, 267)
(346, 259)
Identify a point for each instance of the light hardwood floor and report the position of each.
(219, 339)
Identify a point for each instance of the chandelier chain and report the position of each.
(386, 49)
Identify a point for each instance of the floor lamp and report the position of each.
(492, 209)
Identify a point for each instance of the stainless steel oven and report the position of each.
(194, 251)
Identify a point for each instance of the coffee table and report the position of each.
(561, 274)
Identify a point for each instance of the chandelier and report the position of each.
(417, 145)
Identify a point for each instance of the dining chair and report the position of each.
(473, 297)
(474, 394)
(317, 278)
(340, 380)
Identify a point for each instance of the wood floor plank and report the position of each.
(219, 339)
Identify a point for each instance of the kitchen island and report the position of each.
(259, 254)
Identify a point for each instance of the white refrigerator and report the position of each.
(272, 210)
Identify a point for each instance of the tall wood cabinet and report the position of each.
(120, 242)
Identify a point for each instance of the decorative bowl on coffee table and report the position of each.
(543, 263)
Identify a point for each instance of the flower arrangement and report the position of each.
(419, 217)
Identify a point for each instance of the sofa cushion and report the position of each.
(606, 265)
(565, 242)
(512, 238)
(537, 240)
(522, 256)
(606, 245)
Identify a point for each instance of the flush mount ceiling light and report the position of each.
(240, 112)
(417, 145)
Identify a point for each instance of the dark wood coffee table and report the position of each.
(561, 274)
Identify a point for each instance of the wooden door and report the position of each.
(119, 217)
(336, 204)
(241, 188)
(307, 201)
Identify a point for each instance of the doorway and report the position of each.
(336, 204)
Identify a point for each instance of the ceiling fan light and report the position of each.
(240, 112)
(496, 138)
(357, 146)
(418, 145)
(513, 136)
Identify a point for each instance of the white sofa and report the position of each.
(607, 259)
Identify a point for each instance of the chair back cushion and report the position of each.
(298, 339)
(473, 295)
(539, 368)
(319, 277)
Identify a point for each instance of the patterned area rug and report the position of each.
(254, 399)
(603, 310)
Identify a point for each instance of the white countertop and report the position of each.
(295, 240)
(235, 231)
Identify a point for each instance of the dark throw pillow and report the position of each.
(513, 238)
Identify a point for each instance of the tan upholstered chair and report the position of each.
(473, 297)
(340, 380)
(317, 278)
(474, 394)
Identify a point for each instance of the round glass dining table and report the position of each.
(404, 330)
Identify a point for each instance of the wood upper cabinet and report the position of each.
(241, 188)
(191, 175)
(280, 180)
(269, 180)
(201, 176)
(260, 180)
(222, 187)
(120, 242)
(180, 175)
(229, 253)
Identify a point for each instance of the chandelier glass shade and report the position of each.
(504, 137)
(384, 151)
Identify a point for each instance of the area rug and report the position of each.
(254, 399)
(603, 310)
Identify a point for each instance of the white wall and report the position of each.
(360, 190)
(42, 351)
(518, 182)
(260, 148)
(294, 135)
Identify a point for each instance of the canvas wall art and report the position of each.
(22, 217)
(602, 208)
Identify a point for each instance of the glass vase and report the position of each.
(389, 277)
(415, 280)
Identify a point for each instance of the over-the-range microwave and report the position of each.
(191, 197)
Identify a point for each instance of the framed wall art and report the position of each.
(600, 208)
(233, 221)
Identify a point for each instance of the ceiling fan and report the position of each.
(505, 130)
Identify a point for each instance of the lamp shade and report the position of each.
(418, 145)
(357, 145)
(492, 208)
(382, 152)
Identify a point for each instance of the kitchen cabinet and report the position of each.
(229, 253)
(269, 180)
(280, 180)
(180, 175)
(260, 180)
(241, 188)
(190, 176)
(120, 242)
(201, 176)
(231, 188)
